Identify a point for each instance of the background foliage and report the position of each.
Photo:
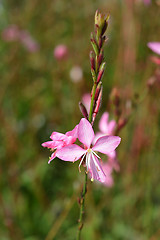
(39, 201)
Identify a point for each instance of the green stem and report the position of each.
(82, 200)
(92, 102)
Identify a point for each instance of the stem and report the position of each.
(82, 200)
(99, 19)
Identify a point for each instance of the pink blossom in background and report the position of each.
(73, 152)
(147, 2)
(11, 33)
(155, 59)
(28, 42)
(108, 169)
(86, 100)
(59, 141)
(106, 127)
(60, 52)
(154, 46)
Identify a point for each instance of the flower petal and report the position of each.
(106, 144)
(85, 132)
(73, 133)
(95, 169)
(154, 46)
(49, 144)
(111, 127)
(107, 168)
(103, 123)
(70, 153)
(57, 136)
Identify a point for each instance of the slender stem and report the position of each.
(82, 200)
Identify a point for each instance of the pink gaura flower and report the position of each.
(60, 140)
(154, 46)
(103, 145)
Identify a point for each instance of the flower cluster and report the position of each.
(65, 149)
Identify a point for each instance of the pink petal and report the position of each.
(106, 144)
(58, 136)
(98, 135)
(112, 154)
(103, 123)
(70, 153)
(111, 127)
(85, 132)
(49, 144)
(73, 133)
(86, 100)
(95, 169)
(154, 46)
(107, 168)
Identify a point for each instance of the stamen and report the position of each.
(95, 154)
(81, 162)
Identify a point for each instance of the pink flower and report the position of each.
(103, 145)
(147, 2)
(60, 52)
(154, 46)
(59, 141)
(11, 33)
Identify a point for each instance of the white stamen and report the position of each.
(95, 154)
(81, 162)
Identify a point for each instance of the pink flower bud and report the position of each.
(83, 110)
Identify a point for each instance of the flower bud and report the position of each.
(101, 71)
(83, 110)
(93, 75)
(97, 105)
(94, 44)
(99, 87)
(100, 58)
(101, 23)
(92, 60)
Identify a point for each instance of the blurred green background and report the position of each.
(37, 96)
